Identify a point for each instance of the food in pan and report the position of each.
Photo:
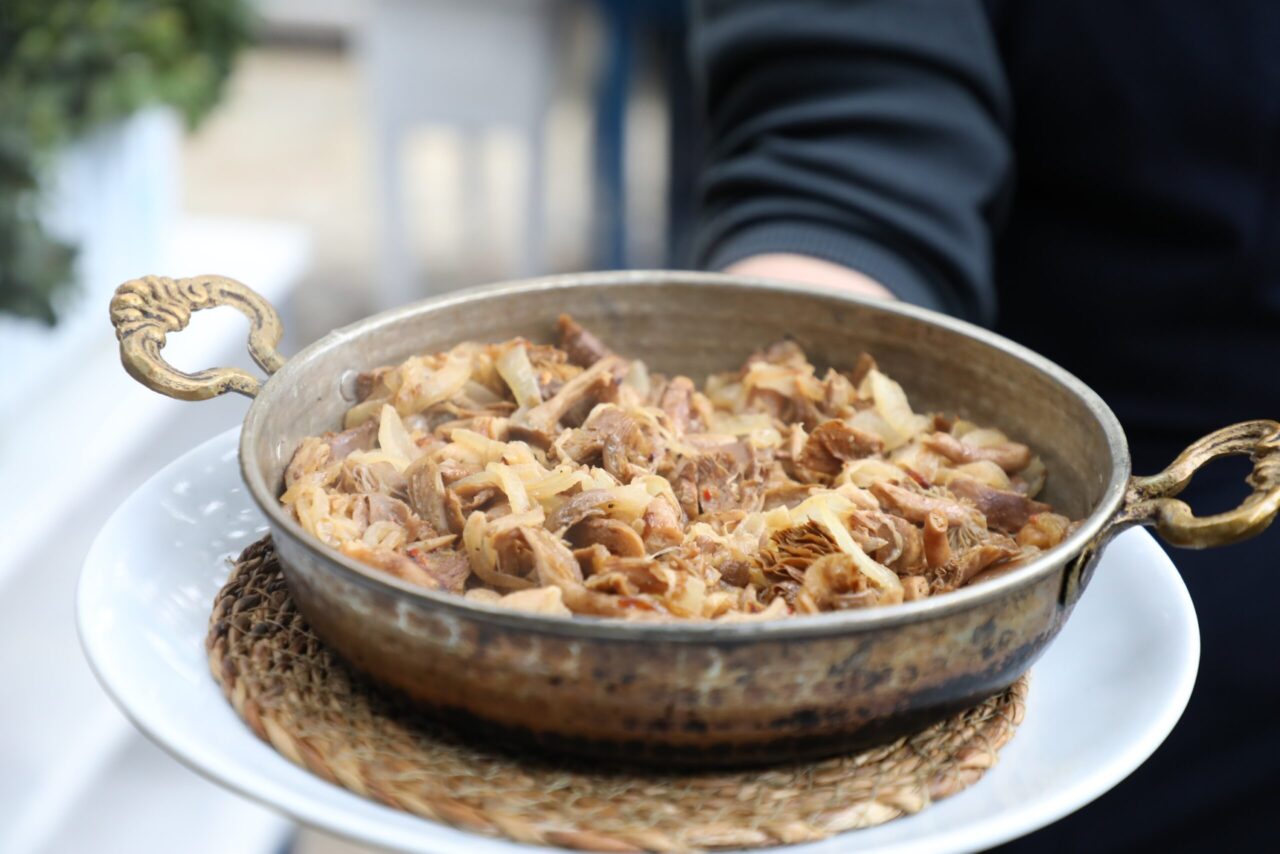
(570, 480)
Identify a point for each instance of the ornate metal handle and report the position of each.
(144, 311)
(1152, 500)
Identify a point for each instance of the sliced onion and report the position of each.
(826, 509)
(423, 387)
(512, 487)
(560, 479)
(740, 424)
(655, 486)
(488, 450)
(638, 378)
(628, 502)
(537, 600)
(863, 473)
(477, 538)
(362, 412)
(517, 372)
(985, 437)
(892, 405)
(983, 471)
(394, 440)
(479, 393)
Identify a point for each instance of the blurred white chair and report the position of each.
(467, 64)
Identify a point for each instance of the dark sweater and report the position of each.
(1098, 180)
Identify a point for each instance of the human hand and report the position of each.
(809, 270)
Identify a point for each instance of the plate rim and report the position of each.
(237, 777)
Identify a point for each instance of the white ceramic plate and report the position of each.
(1102, 698)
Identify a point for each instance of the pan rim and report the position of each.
(702, 632)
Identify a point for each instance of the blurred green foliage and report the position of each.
(70, 66)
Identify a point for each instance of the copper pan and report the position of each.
(697, 693)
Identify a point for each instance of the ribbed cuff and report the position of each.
(839, 246)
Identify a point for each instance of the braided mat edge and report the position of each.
(309, 706)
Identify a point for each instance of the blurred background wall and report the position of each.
(340, 156)
(432, 144)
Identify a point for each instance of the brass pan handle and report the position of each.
(1152, 500)
(144, 311)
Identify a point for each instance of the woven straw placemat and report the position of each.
(308, 705)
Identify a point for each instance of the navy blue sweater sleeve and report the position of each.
(871, 133)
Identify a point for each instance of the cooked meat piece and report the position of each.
(785, 352)
(834, 443)
(612, 439)
(381, 478)
(910, 551)
(968, 563)
(583, 348)
(788, 410)
(384, 508)
(452, 470)
(393, 563)
(551, 368)
(937, 548)
(313, 455)
(916, 506)
(875, 534)
(578, 507)
(1044, 530)
(360, 438)
(638, 577)
(615, 535)
(449, 568)
(684, 483)
(1005, 511)
(865, 365)
(914, 587)
(728, 476)
(943, 422)
(834, 583)
(1010, 456)
(579, 445)
(540, 421)
(771, 402)
(593, 603)
(453, 512)
(662, 525)
(552, 560)
(544, 357)
(735, 572)
(591, 559)
(514, 557)
(555, 564)
(427, 496)
(366, 381)
(471, 500)
(677, 401)
(628, 576)
(839, 395)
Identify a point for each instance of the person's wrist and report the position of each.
(809, 270)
